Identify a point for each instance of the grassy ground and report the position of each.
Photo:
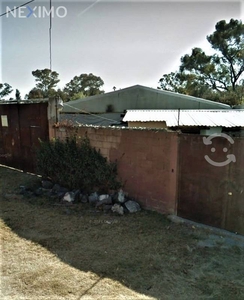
(52, 251)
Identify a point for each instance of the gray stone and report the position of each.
(63, 190)
(102, 197)
(69, 197)
(107, 207)
(46, 184)
(77, 195)
(104, 201)
(56, 188)
(118, 209)
(83, 198)
(121, 196)
(115, 197)
(60, 192)
(132, 206)
(93, 198)
(60, 195)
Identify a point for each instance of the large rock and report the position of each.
(102, 197)
(121, 196)
(83, 198)
(118, 209)
(69, 197)
(47, 184)
(60, 195)
(104, 201)
(93, 198)
(60, 191)
(132, 206)
(107, 207)
(77, 195)
(56, 188)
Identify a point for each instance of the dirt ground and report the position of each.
(55, 251)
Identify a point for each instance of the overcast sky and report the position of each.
(123, 42)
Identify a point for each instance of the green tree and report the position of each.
(46, 81)
(87, 84)
(35, 94)
(17, 95)
(61, 94)
(187, 84)
(228, 39)
(79, 95)
(5, 89)
(216, 77)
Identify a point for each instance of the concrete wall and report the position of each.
(147, 162)
(53, 115)
(207, 193)
(168, 172)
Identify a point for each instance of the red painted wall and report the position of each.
(168, 172)
(27, 123)
(210, 194)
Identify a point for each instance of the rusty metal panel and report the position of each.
(210, 194)
(27, 123)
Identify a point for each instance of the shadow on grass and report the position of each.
(143, 251)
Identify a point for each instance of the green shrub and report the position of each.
(76, 165)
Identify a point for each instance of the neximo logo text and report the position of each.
(36, 12)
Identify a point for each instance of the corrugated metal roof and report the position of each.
(27, 101)
(107, 119)
(173, 118)
(139, 97)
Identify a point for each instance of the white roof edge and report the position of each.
(189, 117)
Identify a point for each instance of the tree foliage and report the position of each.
(35, 94)
(217, 77)
(46, 81)
(5, 89)
(17, 95)
(228, 39)
(80, 86)
(87, 84)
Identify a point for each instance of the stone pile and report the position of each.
(117, 201)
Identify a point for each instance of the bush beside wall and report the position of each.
(76, 165)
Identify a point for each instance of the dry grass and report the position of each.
(71, 252)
